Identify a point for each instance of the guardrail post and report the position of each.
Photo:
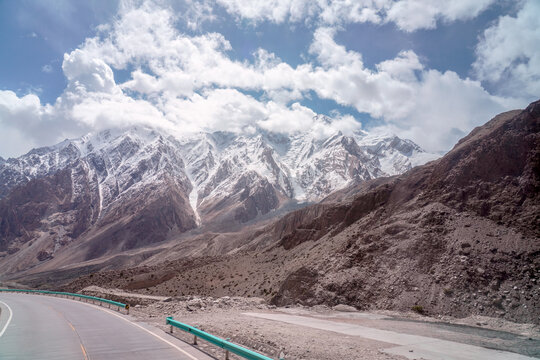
(222, 343)
(167, 321)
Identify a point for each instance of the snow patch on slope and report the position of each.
(193, 198)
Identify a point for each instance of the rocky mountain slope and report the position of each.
(457, 236)
(117, 190)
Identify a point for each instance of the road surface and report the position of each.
(45, 327)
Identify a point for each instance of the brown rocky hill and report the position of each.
(458, 236)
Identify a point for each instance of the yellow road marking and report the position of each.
(75, 331)
(70, 325)
(84, 352)
(136, 325)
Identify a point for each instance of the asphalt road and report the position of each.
(45, 327)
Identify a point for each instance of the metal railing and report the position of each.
(224, 344)
(80, 296)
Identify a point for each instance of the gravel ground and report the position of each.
(225, 318)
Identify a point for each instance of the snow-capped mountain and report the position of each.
(127, 188)
(210, 165)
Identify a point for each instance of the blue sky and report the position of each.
(408, 67)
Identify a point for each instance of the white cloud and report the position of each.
(277, 11)
(445, 108)
(217, 109)
(24, 123)
(350, 11)
(331, 54)
(99, 112)
(198, 13)
(23, 114)
(287, 120)
(408, 15)
(403, 67)
(86, 73)
(232, 110)
(411, 15)
(14, 142)
(190, 83)
(508, 54)
(25, 108)
(182, 66)
(344, 79)
(46, 68)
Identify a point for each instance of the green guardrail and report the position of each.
(80, 296)
(224, 344)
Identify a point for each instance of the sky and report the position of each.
(425, 70)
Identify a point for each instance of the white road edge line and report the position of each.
(140, 327)
(8, 320)
(153, 334)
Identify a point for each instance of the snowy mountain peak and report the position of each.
(322, 119)
(213, 168)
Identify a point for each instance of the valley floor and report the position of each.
(296, 332)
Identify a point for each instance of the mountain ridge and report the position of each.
(119, 177)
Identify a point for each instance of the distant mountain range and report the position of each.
(118, 190)
(292, 219)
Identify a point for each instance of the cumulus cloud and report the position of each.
(408, 15)
(198, 13)
(215, 110)
(25, 122)
(411, 15)
(88, 74)
(24, 109)
(445, 108)
(276, 11)
(508, 55)
(185, 83)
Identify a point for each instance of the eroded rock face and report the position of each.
(128, 193)
(298, 287)
(22, 212)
